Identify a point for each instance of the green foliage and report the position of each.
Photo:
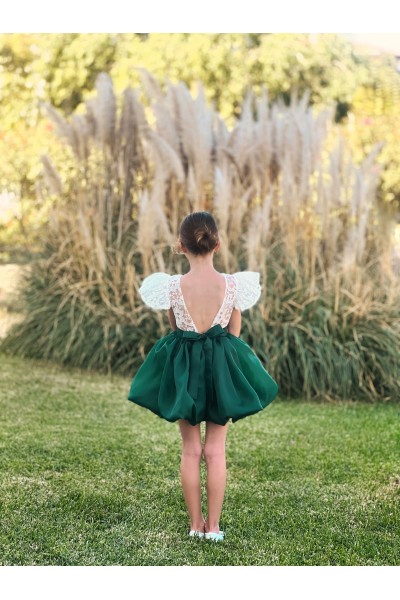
(81, 331)
(62, 68)
(375, 116)
(228, 64)
(35, 67)
(71, 64)
(324, 347)
(59, 68)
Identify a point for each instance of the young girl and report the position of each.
(202, 370)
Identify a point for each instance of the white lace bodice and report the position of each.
(161, 291)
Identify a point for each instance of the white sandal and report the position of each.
(216, 536)
(196, 533)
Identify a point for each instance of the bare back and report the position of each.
(203, 297)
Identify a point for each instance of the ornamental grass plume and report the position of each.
(289, 200)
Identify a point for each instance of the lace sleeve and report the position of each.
(154, 290)
(248, 289)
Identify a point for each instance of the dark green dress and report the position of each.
(210, 376)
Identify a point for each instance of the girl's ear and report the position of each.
(182, 248)
(177, 246)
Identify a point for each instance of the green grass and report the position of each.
(88, 478)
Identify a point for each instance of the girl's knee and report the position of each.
(193, 450)
(214, 451)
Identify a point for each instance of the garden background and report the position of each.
(108, 140)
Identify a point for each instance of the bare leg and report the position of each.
(190, 471)
(214, 454)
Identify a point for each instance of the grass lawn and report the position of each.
(89, 478)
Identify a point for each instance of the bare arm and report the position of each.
(171, 318)
(235, 322)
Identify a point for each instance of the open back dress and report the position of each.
(209, 376)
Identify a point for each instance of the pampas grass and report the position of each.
(289, 201)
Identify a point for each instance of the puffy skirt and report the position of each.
(210, 376)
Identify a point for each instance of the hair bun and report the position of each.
(199, 233)
(202, 235)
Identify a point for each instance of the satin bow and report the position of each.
(201, 357)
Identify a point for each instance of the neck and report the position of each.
(201, 264)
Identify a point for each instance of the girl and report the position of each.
(202, 370)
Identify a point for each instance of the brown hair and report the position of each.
(198, 232)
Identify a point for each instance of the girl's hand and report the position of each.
(171, 318)
(235, 322)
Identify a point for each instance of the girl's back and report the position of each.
(200, 302)
(203, 295)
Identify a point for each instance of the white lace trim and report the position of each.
(182, 316)
(162, 291)
(154, 290)
(248, 289)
